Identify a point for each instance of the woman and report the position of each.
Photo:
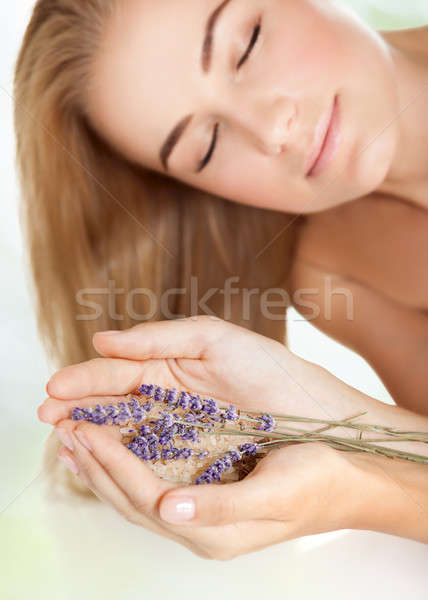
(312, 102)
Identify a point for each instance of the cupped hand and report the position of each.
(201, 354)
(293, 491)
(290, 493)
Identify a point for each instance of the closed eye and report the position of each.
(253, 41)
(256, 32)
(207, 158)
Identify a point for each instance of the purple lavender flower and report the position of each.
(191, 434)
(214, 471)
(138, 415)
(78, 414)
(152, 440)
(133, 404)
(204, 478)
(176, 453)
(158, 395)
(141, 441)
(267, 422)
(125, 414)
(195, 402)
(145, 430)
(227, 461)
(210, 407)
(168, 453)
(171, 397)
(248, 448)
(112, 413)
(184, 401)
(155, 455)
(185, 453)
(166, 436)
(190, 418)
(139, 446)
(147, 389)
(219, 464)
(167, 419)
(234, 455)
(211, 473)
(147, 406)
(99, 415)
(231, 414)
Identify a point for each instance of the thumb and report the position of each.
(219, 504)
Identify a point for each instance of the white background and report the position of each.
(67, 552)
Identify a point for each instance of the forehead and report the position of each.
(145, 72)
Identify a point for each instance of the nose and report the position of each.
(269, 124)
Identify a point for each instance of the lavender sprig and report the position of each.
(186, 415)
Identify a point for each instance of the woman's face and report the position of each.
(234, 96)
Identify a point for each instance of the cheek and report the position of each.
(304, 54)
(261, 185)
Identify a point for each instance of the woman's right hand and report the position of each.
(205, 355)
(215, 358)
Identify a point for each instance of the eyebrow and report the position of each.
(206, 59)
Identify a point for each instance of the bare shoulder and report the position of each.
(347, 278)
(414, 39)
(378, 241)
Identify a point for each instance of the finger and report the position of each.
(95, 476)
(215, 505)
(179, 338)
(237, 539)
(53, 410)
(98, 480)
(106, 377)
(132, 476)
(96, 377)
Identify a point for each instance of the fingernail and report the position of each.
(65, 439)
(175, 510)
(39, 414)
(83, 439)
(70, 464)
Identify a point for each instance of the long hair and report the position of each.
(93, 219)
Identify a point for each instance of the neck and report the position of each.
(407, 176)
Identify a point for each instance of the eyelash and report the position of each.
(253, 41)
(206, 160)
(254, 38)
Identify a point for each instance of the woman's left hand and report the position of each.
(293, 491)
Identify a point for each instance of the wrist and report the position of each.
(387, 495)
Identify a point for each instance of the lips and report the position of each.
(326, 140)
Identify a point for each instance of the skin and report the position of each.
(274, 100)
(375, 189)
(376, 247)
(292, 492)
(307, 52)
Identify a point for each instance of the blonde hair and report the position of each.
(90, 216)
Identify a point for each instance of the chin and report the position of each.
(371, 170)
